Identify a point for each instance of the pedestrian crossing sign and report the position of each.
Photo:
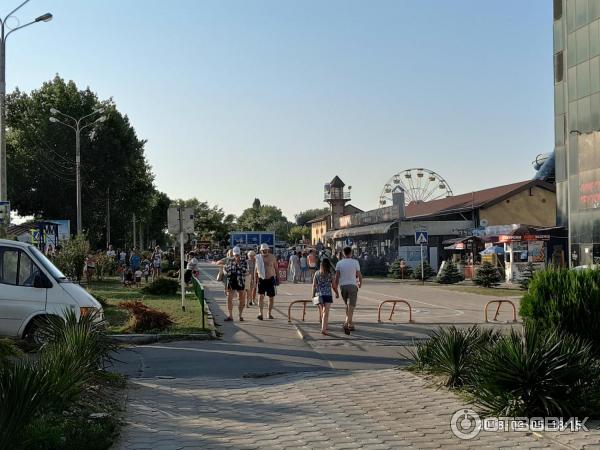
(421, 237)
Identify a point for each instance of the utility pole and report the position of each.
(77, 128)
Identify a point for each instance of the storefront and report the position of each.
(521, 250)
(380, 239)
(464, 252)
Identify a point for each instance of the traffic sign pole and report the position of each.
(422, 273)
(181, 256)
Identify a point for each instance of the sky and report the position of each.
(272, 98)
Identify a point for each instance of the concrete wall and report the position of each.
(535, 208)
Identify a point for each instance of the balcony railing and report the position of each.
(337, 195)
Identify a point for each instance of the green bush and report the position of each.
(8, 349)
(105, 266)
(452, 353)
(71, 259)
(537, 373)
(487, 276)
(161, 286)
(427, 271)
(565, 300)
(396, 271)
(450, 274)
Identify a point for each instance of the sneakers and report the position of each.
(271, 316)
(228, 319)
(346, 329)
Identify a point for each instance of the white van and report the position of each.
(31, 288)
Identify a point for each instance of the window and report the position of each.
(557, 9)
(573, 116)
(9, 269)
(27, 271)
(17, 268)
(559, 130)
(570, 15)
(558, 67)
(557, 32)
(594, 9)
(572, 83)
(561, 163)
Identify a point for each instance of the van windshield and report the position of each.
(51, 268)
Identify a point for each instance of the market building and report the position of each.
(459, 226)
(577, 126)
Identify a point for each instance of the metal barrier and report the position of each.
(498, 309)
(410, 319)
(304, 302)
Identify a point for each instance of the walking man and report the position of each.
(349, 279)
(266, 273)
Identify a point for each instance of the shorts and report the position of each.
(156, 265)
(249, 282)
(350, 294)
(326, 299)
(304, 269)
(234, 284)
(138, 279)
(266, 287)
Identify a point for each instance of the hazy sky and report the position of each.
(270, 99)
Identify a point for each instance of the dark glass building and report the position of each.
(577, 125)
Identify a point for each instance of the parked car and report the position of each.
(32, 288)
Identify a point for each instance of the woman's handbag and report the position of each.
(316, 300)
(220, 274)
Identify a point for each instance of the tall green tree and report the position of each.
(264, 218)
(297, 233)
(304, 216)
(41, 161)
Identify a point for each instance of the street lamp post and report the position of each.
(77, 127)
(6, 31)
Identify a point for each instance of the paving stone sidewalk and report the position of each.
(370, 409)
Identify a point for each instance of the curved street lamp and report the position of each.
(6, 31)
(76, 126)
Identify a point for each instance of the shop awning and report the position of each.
(377, 228)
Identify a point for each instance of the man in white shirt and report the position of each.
(111, 253)
(349, 279)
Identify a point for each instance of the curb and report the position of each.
(153, 338)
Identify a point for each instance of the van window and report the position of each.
(17, 268)
(27, 271)
(9, 266)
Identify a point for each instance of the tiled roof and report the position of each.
(472, 200)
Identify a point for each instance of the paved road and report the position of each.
(271, 384)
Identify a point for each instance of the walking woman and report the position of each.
(221, 275)
(156, 262)
(303, 267)
(236, 271)
(323, 284)
(295, 267)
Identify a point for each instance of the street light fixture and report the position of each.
(5, 31)
(76, 126)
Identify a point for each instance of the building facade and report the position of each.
(576, 30)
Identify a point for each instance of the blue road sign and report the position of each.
(348, 242)
(421, 237)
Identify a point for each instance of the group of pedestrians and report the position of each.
(303, 265)
(245, 277)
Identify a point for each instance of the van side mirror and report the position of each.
(41, 281)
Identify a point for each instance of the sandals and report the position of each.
(346, 329)
(228, 319)
(271, 316)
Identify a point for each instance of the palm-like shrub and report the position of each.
(487, 276)
(452, 353)
(566, 300)
(537, 373)
(526, 276)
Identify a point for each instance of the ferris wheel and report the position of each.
(419, 185)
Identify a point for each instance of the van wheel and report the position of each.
(33, 333)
